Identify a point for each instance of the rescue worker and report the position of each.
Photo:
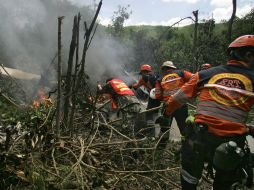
(148, 80)
(120, 94)
(205, 66)
(226, 97)
(172, 79)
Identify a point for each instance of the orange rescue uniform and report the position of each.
(119, 88)
(171, 83)
(226, 96)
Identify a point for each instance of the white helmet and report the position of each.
(152, 94)
(168, 64)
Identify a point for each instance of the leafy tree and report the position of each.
(178, 49)
(210, 47)
(118, 19)
(244, 25)
(143, 48)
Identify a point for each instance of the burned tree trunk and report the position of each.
(69, 73)
(77, 49)
(59, 70)
(195, 67)
(230, 22)
(81, 72)
(87, 41)
(75, 74)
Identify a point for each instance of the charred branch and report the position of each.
(68, 79)
(59, 74)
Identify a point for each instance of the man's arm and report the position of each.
(187, 91)
(138, 84)
(187, 75)
(158, 90)
(106, 89)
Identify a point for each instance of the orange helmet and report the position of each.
(242, 41)
(206, 66)
(145, 68)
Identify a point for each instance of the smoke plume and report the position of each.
(28, 38)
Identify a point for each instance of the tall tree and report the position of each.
(118, 19)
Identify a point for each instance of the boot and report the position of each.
(187, 186)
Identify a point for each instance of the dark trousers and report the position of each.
(152, 103)
(180, 116)
(197, 150)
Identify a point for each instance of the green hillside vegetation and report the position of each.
(155, 44)
(155, 31)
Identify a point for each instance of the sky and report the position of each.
(167, 12)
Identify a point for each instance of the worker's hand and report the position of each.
(99, 87)
(134, 86)
(190, 120)
(163, 120)
(190, 124)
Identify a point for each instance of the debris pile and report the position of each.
(98, 156)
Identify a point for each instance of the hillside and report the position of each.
(155, 31)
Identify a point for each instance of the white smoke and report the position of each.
(28, 37)
(28, 32)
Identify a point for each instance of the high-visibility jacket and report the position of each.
(119, 88)
(226, 96)
(148, 81)
(171, 83)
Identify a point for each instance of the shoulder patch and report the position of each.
(230, 88)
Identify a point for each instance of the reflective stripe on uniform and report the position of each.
(120, 87)
(241, 91)
(188, 177)
(180, 97)
(220, 111)
(167, 93)
(123, 89)
(170, 80)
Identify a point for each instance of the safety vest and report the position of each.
(171, 83)
(120, 87)
(227, 94)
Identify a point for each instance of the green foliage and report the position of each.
(155, 44)
(178, 49)
(118, 19)
(29, 117)
(210, 47)
(244, 25)
(9, 114)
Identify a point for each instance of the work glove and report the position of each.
(163, 120)
(190, 124)
(190, 120)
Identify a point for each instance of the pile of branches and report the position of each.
(98, 156)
